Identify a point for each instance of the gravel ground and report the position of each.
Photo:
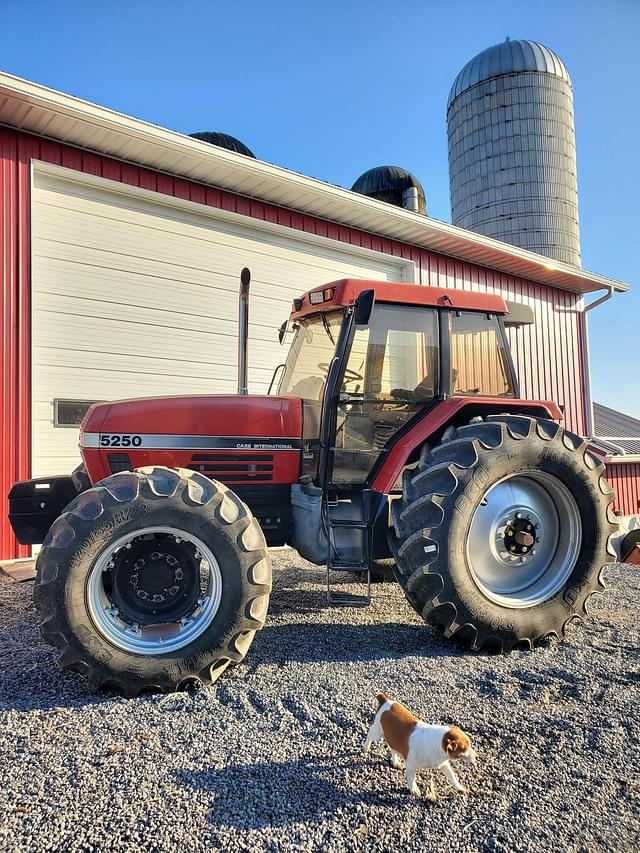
(270, 757)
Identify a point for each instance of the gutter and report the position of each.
(586, 368)
(623, 459)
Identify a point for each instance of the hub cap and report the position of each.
(155, 591)
(524, 539)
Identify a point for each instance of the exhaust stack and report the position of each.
(243, 330)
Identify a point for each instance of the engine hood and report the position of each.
(197, 422)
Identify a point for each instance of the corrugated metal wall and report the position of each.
(547, 355)
(15, 415)
(625, 481)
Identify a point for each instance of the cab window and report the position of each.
(391, 373)
(478, 358)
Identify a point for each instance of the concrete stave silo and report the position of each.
(512, 154)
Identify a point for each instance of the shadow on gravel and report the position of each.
(309, 790)
(340, 642)
(30, 679)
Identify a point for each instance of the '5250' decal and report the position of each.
(119, 440)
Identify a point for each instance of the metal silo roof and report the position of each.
(507, 58)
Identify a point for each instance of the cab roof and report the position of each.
(345, 291)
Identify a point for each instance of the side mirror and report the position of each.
(364, 307)
(282, 331)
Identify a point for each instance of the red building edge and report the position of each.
(553, 371)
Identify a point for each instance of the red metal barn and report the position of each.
(121, 247)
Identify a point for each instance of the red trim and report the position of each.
(347, 290)
(442, 415)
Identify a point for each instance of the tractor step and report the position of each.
(347, 599)
(339, 562)
(348, 566)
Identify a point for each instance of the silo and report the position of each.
(512, 151)
(394, 185)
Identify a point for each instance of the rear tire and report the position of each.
(152, 580)
(463, 526)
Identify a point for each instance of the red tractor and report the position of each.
(397, 437)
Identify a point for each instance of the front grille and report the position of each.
(119, 462)
(234, 467)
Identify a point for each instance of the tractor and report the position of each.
(396, 439)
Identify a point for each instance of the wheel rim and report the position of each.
(524, 539)
(154, 591)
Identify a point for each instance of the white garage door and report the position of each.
(133, 297)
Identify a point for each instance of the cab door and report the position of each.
(391, 373)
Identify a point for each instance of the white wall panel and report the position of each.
(135, 294)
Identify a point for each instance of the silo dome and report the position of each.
(393, 185)
(223, 140)
(512, 155)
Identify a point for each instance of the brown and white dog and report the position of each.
(420, 744)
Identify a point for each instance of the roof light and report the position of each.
(316, 297)
(329, 293)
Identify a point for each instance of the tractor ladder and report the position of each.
(347, 534)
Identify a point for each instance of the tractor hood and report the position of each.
(170, 421)
(182, 431)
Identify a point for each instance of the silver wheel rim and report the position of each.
(505, 566)
(157, 638)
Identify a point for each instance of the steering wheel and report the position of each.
(349, 375)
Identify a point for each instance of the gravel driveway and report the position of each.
(270, 757)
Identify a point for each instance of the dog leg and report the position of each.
(450, 776)
(411, 778)
(374, 734)
(396, 761)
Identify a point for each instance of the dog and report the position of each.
(420, 744)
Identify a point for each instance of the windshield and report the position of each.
(310, 355)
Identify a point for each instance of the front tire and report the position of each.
(151, 580)
(502, 531)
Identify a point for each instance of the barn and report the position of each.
(121, 248)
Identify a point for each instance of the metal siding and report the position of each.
(557, 327)
(14, 323)
(624, 479)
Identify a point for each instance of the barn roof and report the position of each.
(617, 427)
(37, 109)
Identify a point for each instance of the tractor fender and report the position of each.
(454, 411)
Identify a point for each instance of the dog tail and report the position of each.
(382, 699)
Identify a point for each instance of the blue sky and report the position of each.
(331, 88)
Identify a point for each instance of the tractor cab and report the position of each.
(368, 358)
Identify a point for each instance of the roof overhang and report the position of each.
(37, 109)
(622, 459)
